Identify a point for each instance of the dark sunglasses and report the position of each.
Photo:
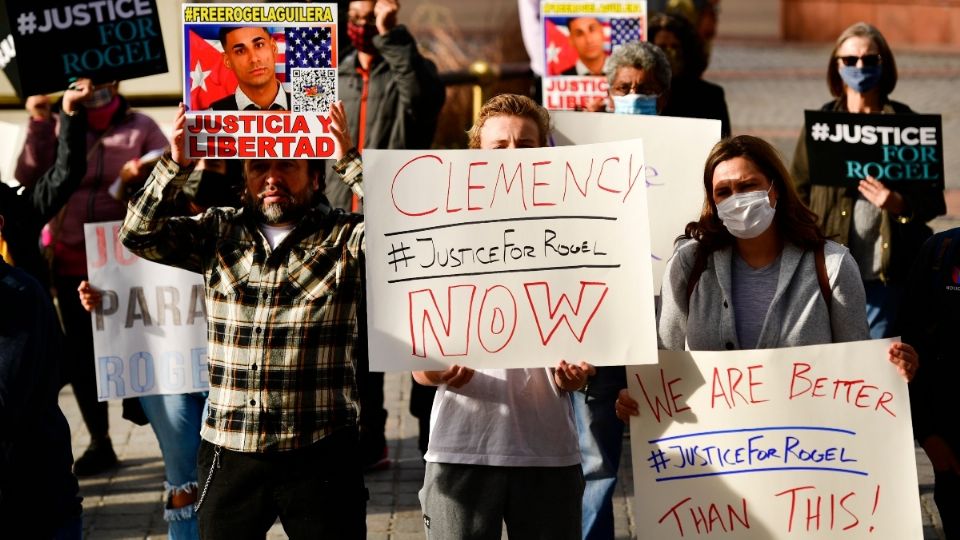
(868, 60)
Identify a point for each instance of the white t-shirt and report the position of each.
(504, 418)
(275, 234)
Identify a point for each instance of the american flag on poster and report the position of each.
(309, 47)
(624, 30)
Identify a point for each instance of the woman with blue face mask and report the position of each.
(883, 224)
(756, 272)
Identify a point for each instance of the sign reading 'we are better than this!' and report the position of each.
(805, 442)
(508, 258)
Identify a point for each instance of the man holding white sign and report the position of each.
(283, 282)
(503, 445)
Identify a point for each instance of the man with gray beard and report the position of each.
(284, 284)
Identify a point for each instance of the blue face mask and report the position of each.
(861, 79)
(635, 104)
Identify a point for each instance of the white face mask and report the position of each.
(747, 215)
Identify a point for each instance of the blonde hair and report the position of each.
(511, 105)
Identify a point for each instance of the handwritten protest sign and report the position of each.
(675, 150)
(268, 95)
(807, 442)
(508, 258)
(54, 41)
(149, 333)
(844, 148)
(577, 38)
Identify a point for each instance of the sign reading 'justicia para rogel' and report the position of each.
(844, 148)
(57, 41)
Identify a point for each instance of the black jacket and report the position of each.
(27, 210)
(404, 99)
(38, 491)
(929, 318)
(697, 98)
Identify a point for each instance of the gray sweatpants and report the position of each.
(471, 502)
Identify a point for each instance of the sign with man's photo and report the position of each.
(53, 42)
(259, 79)
(577, 39)
(844, 148)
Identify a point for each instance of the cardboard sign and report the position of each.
(235, 110)
(577, 39)
(56, 41)
(150, 331)
(844, 148)
(508, 258)
(675, 150)
(805, 442)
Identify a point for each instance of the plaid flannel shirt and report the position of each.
(282, 324)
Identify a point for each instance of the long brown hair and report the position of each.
(888, 66)
(794, 221)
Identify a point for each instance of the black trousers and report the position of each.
(946, 493)
(79, 362)
(317, 492)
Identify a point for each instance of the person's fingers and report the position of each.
(461, 376)
(625, 407)
(905, 358)
(449, 373)
(628, 401)
(588, 368)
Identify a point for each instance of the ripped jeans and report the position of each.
(176, 421)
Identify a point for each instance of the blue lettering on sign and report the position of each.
(122, 43)
(175, 374)
(724, 452)
(144, 373)
(198, 360)
(111, 373)
(141, 372)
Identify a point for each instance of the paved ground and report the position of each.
(126, 503)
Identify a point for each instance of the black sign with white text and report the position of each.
(57, 41)
(844, 148)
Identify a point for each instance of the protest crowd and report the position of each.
(290, 417)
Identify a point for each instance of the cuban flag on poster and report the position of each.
(207, 79)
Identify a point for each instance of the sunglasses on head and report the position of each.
(868, 60)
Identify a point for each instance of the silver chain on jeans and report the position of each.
(214, 465)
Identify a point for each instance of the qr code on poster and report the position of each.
(313, 89)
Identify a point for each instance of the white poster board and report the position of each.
(806, 442)
(508, 258)
(675, 150)
(150, 331)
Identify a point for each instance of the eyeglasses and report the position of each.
(869, 60)
(623, 89)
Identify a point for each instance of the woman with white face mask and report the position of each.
(883, 223)
(746, 275)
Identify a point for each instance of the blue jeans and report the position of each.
(601, 443)
(883, 303)
(176, 421)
